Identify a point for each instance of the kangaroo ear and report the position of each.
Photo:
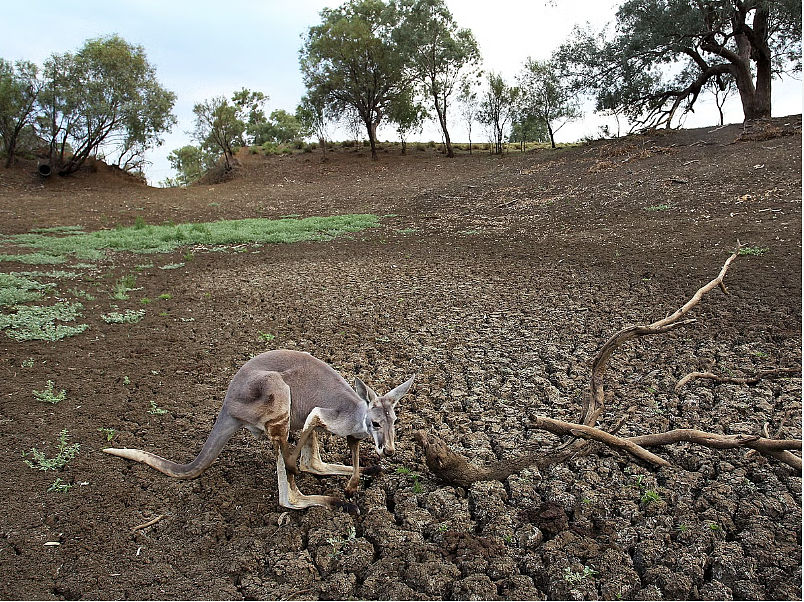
(364, 391)
(400, 391)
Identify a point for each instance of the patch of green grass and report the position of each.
(130, 316)
(650, 496)
(752, 251)
(66, 453)
(122, 287)
(165, 238)
(34, 258)
(38, 323)
(15, 289)
(49, 394)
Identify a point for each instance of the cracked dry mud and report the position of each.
(496, 280)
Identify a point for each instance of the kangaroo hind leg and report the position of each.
(291, 497)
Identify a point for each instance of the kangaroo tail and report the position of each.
(225, 427)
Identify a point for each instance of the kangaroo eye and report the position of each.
(376, 425)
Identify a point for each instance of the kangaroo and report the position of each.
(283, 391)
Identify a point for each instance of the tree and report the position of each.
(528, 128)
(351, 62)
(544, 95)
(280, 128)
(313, 117)
(497, 108)
(408, 115)
(470, 106)
(442, 55)
(218, 127)
(19, 90)
(664, 52)
(190, 162)
(105, 95)
(249, 110)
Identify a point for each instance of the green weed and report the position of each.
(130, 316)
(752, 251)
(59, 487)
(66, 453)
(156, 410)
(49, 395)
(338, 543)
(122, 287)
(574, 577)
(15, 290)
(38, 323)
(109, 432)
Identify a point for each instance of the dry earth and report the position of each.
(496, 280)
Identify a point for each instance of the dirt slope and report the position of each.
(496, 279)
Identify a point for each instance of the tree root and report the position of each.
(457, 470)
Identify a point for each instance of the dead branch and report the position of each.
(148, 524)
(454, 468)
(748, 380)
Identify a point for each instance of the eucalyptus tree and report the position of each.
(545, 96)
(442, 55)
(314, 118)
(107, 96)
(664, 52)
(351, 61)
(497, 108)
(19, 90)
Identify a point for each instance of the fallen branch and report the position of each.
(456, 469)
(148, 524)
(748, 380)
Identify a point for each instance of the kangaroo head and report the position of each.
(381, 414)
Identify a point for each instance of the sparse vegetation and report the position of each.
(130, 316)
(49, 394)
(31, 323)
(65, 453)
(156, 410)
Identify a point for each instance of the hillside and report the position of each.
(496, 280)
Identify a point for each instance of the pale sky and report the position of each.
(205, 48)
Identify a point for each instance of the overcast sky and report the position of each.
(207, 48)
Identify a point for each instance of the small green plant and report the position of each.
(650, 496)
(42, 462)
(59, 487)
(126, 380)
(681, 528)
(715, 527)
(755, 251)
(109, 432)
(443, 528)
(338, 543)
(145, 300)
(29, 363)
(130, 316)
(122, 287)
(267, 336)
(49, 394)
(165, 296)
(156, 410)
(574, 577)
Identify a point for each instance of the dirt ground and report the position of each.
(496, 280)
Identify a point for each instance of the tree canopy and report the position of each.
(351, 62)
(664, 52)
(105, 95)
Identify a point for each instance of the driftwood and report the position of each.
(456, 469)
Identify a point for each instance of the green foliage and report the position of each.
(130, 316)
(109, 433)
(156, 410)
(15, 290)
(105, 95)
(190, 163)
(545, 97)
(39, 323)
(664, 52)
(442, 55)
(352, 63)
(754, 251)
(65, 454)
(168, 237)
(497, 108)
(123, 285)
(575, 577)
(58, 487)
(49, 394)
(280, 128)
(19, 88)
